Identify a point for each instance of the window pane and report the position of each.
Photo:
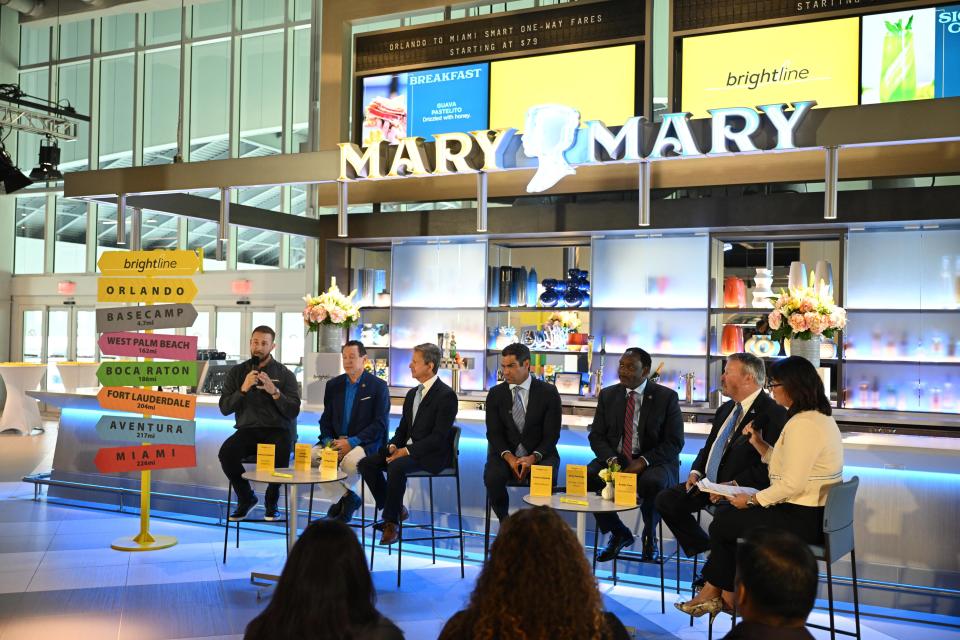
(211, 18)
(75, 39)
(292, 333)
(163, 26)
(260, 13)
(75, 88)
(116, 112)
(28, 251)
(302, 9)
(107, 229)
(298, 252)
(70, 239)
(201, 329)
(86, 336)
(228, 335)
(161, 101)
(261, 94)
(33, 335)
(256, 248)
(301, 88)
(210, 101)
(34, 45)
(259, 318)
(117, 32)
(32, 83)
(157, 230)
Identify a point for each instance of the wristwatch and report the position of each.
(276, 396)
(752, 501)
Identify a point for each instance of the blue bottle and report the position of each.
(532, 287)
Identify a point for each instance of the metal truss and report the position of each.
(20, 119)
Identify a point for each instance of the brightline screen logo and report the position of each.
(774, 64)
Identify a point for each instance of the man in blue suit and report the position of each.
(356, 410)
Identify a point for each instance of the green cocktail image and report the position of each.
(898, 66)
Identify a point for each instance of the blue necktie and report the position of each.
(416, 404)
(519, 417)
(720, 444)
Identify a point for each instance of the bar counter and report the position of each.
(907, 504)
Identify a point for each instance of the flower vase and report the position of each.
(607, 493)
(806, 349)
(331, 338)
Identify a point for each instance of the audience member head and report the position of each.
(776, 581)
(634, 367)
(515, 363)
(536, 585)
(743, 375)
(354, 355)
(324, 591)
(795, 384)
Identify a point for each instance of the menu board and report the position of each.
(911, 55)
(770, 65)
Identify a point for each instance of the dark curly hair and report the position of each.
(537, 585)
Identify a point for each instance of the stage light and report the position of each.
(49, 159)
(11, 178)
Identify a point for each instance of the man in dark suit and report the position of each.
(356, 412)
(638, 424)
(523, 427)
(725, 456)
(422, 442)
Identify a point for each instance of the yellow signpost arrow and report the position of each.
(149, 263)
(148, 290)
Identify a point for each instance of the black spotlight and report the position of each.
(49, 159)
(11, 179)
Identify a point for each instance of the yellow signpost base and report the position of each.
(128, 543)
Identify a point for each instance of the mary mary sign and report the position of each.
(554, 142)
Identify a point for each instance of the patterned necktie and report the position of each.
(519, 417)
(720, 444)
(627, 447)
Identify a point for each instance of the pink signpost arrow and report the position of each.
(149, 345)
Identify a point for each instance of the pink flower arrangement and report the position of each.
(805, 312)
(331, 307)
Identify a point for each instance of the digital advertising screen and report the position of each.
(911, 55)
(383, 108)
(770, 65)
(453, 99)
(600, 83)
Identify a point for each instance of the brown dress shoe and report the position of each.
(391, 533)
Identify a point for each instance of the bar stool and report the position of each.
(837, 542)
(453, 471)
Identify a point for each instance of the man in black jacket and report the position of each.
(523, 427)
(264, 396)
(638, 424)
(422, 442)
(725, 457)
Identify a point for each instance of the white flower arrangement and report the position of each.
(330, 307)
(804, 312)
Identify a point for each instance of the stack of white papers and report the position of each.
(725, 490)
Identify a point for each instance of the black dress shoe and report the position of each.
(271, 512)
(614, 547)
(335, 509)
(243, 509)
(651, 552)
(349, 505)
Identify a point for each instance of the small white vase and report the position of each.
(607, 493)
(762, 292)
(798, 275)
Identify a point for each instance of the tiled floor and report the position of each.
(60, 579)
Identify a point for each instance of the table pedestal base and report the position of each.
(130, 543)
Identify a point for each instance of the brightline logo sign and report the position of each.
(553, 130)
(766, 77)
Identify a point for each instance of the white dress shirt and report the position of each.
(525, 398)
(745, 409)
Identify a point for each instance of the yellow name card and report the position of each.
(625, 489)
(576, 480)
(328, 463)
(265, 457)
(301, 457)
(541, 481)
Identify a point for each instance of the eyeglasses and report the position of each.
(773, 385)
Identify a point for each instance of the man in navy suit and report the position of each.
(638, 424)
(422, 442)
(523, 427)
(356, 411)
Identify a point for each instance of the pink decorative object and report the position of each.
(731, 341)
(734, 293)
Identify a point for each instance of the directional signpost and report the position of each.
(161, 316)
(147, 277)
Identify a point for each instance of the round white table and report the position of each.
(76, 375)
(595, 504)
(296, 479)
(21, 413)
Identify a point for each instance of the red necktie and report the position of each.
(627, 448)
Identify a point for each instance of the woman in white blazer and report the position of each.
(805, 461)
